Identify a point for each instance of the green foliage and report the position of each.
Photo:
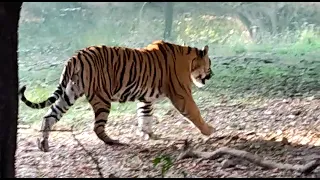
(166, 163)
(208, 29)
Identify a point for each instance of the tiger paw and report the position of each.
(110, 141)
(207, 130)
(43, 144)
(147, 135)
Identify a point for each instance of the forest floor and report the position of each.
(282, 126)
(285, 131)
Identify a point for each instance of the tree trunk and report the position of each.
(168, 20)
(246, 22)
(9, 19)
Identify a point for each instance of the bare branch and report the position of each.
(307, 168)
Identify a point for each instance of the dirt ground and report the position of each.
(281, 130)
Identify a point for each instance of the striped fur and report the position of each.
(119, 74)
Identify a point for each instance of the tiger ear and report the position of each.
(205, 50)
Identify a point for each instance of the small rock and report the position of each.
(220, 160)
(286, 100)
(310, 98)
(278, 132)
(241, 167)
(291, 116)
(268, 112)
(285, 141)
(317, 143)
(112, 176)
(227, 163)
(235, 176)
(296, 112)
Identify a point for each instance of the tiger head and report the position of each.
(201, 68)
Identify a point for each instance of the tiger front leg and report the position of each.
(188, 108)
(145, 119)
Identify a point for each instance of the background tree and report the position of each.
(9, 18)
(168, 20)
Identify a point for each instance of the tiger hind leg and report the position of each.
(56, 111)
(101, 108)
(53, 115)
(145, 119)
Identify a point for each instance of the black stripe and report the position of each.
(135, 92)
(149, 61)
(52, 99)
(51, 116)
(172, 49)
(108, 74)
(102, 98)
(154, 76)
(101, 110)
(145, 115)
(174, 67)
(97, 55)
(146, 106)
(66, 98)
(118, 64)
(165, 56)
(133, 98)
(145, 75)
(91, 78)
(100, 121)
(139, 79)
(82, 74)
(146, 111)
(181, 49)
(164, 52)
(144, 93)
(42, 104)
(130, 83)
(132, 88)
(28, 103)
(161, 70)
(97, 67)
(111, 55)
(189, 50)
(132, 68)
(60, 109)
(123, 68)
(96, 103)
(54, 110)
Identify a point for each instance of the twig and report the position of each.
(52, 130)
(58, 130)
(98, 168)
(20, 126)
(307, 168)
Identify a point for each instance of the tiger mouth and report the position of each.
(203, 80)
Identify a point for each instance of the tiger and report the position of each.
(106, 74)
